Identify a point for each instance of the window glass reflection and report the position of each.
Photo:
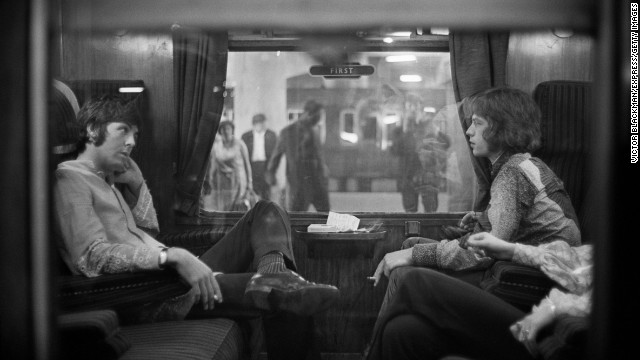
(387, 142)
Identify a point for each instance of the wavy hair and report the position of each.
(513, 117)
(99, 112)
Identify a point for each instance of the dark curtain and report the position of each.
(478, 62)
(200, 70)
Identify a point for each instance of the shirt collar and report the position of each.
(497, 165)
(90, 166)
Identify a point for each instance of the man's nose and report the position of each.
(131, 141)
(470, 130)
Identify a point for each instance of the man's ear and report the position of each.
(91, 134)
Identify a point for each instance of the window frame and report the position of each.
(268, 41)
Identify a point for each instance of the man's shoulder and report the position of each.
(76, 173)
(247, 135)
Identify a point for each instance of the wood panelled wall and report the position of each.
(346, 327)
(135, 56)
(543, 56)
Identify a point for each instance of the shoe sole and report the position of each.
(303, 302)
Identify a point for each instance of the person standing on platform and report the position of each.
(260, 142)
(307, 173)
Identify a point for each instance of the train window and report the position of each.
(387, 141)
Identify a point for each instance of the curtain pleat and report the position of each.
(478, 62)
(200, 70)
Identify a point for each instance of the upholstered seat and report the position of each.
(193, 339)
(98, 335)
(89, 327)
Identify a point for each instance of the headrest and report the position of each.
(566, 129)
(565, 123)
(64, 129)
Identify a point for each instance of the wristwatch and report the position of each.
(162, 260)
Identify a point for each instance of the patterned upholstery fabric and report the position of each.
(566, 127)
(98, 335)
(116, 291)
(217, 339)
(91, 335)
(520, 285)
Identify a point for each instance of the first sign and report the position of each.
(341, 71)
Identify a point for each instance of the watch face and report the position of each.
(163, 258)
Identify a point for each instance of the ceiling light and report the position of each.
(410, 78)
(439, 31)
(350, 137)
(401, 33)
(400, 58)
(391, 119)
(132, 89)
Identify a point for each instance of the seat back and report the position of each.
(566, 127)
(64, 132)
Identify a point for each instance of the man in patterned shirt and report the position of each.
(105, 230)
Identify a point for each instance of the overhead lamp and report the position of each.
(439, 31)
(130, 89)
(410, 78)
(391, 119)
(400, 58)
(350, 137)
(563, 33)
(400, 33)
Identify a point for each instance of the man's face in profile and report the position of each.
(114, 152)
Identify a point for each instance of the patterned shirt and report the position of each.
(100, 230)
(570, 267)
(528, 205)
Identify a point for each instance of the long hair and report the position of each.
(99, 112)
(513, 117)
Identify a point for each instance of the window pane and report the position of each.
(390, 141)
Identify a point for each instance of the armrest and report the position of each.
(197, 240)
(519, 285)
(566, 339)
(91, 335)
(79, 293)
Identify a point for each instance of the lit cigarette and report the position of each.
(371, 278)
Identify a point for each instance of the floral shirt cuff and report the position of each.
(144, 213)
(527, 255)
(424, 254)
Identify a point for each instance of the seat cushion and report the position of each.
(91, 335)
(218, 339)
(519, 285)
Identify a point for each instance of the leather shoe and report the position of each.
(290, 292)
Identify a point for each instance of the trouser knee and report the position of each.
(407, 337)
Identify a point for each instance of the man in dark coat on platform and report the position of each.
(307, 173)
(260, 143)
